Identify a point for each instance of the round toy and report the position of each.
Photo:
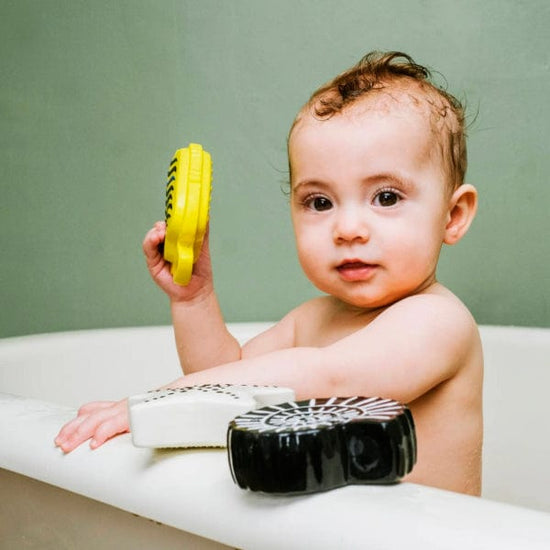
(187, 206)
(321, 444)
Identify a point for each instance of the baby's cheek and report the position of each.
(410, 253)
(308, 249)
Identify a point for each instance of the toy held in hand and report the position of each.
(186, 212)
(321, 444)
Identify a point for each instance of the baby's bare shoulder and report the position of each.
(440, 313)
(438, 303)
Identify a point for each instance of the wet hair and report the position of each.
(396, 73)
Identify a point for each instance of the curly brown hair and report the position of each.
(390, 72)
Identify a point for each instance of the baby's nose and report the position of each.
(351, 226)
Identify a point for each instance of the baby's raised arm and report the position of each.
(202, 339)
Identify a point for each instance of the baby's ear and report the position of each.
(462, 209)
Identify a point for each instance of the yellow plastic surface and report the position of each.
(187, 207)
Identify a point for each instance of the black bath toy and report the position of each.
(321, 444)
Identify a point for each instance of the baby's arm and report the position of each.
(406, 351)
(202, 339)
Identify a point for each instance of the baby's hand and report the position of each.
(201, 280)
(100, 421)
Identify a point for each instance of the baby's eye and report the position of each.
(318, 203)
(386, 198)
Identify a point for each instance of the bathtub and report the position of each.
(120, 496)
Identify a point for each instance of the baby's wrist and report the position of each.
(190, 301)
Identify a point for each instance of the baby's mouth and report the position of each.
(355, 270)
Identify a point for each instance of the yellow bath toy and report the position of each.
(187, 205)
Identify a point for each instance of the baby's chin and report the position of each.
(368, 305)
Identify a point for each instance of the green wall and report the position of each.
(97, 94)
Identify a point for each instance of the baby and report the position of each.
(377, 161)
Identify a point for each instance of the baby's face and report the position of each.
(369, 203)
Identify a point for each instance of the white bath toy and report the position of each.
(196, 416)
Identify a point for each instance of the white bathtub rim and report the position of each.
(193, 491)
(35, 456)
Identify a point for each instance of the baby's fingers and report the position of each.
(94, 406)
(79, 431)
(68, 430)
(108, 429)
(154, 237)
(100, 425)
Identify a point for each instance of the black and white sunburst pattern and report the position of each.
(317, 413)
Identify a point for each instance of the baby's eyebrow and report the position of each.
(392, 178)
(317, 184)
